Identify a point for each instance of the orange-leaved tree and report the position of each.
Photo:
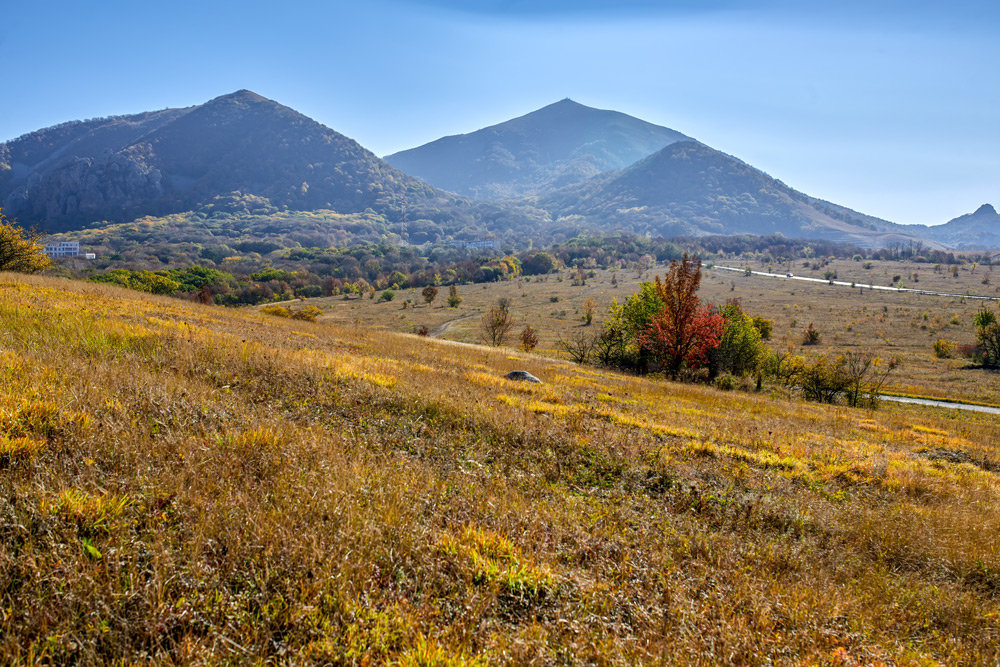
(684, 330)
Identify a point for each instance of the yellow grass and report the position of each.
(197, 485)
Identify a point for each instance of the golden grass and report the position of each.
(199, 485)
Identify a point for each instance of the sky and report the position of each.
(891, 108)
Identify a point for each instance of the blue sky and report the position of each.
(891, 108)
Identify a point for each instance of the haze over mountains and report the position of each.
(559, 170)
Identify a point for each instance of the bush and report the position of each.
(453, 298)
(764, 326)
(20, 251)
(387, 295)
(725, 382)
(308, 314)
(276, 311)
(942, 349)
(810, 336)
(529, 338)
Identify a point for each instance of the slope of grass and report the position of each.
(181, 483)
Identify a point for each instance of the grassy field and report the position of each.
(192, 484)
(891, 324)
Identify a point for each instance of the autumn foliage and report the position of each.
(684, 330)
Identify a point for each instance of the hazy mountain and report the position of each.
(167, 161)
(689, 188)
(561, 144)
(979, 230)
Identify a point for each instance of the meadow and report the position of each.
(890, 324)
(192, 484)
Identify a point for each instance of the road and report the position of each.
(884, 288)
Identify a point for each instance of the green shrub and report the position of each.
(943, 349)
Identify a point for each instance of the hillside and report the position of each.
(689, 188)
(183, 483)
(979, 230)
(560, 144)
(175, 160)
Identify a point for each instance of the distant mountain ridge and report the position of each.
(544, 176)
(979, 230)
(691, 189)
(161, 162)
(561, 144)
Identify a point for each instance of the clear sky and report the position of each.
(891, 108)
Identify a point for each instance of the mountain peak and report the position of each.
(986, 209)
(241, 96)
(563, 143)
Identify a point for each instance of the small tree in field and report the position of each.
(496, 324)
(683, 331)
(529, 338)
(453, 298)
(20, 250)
(589, 308)
(988, 338)
(429, 293)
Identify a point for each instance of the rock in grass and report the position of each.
(522, 376)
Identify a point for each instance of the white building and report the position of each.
(63, 249)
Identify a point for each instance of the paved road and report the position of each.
(884, 288)
(942, 404)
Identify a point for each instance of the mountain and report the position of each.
(560, 144)
(692, 189)
(168, 161)
(979, 230)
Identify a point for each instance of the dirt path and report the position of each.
(442, 329)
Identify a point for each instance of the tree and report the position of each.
(683, 331)
(453, 298)
(529, 338)
(578, 346)
(20, 250)
(589, 308)
(987, 338)
(429, 293)
(740, 350)
(496, 324)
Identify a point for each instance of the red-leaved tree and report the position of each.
(684, 330)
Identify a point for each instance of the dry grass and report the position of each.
(891, 324)
(208, 485)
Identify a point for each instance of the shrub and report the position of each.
(422, 330)
(307, 314)
(810, 336)
(988, 338)
(276, 311)
(529, 338)
(453, 298)
(764, 326)
(387, 295)
(725, 382)
(429, 293)
(20, 250)
(589, 308)
(942, 349)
